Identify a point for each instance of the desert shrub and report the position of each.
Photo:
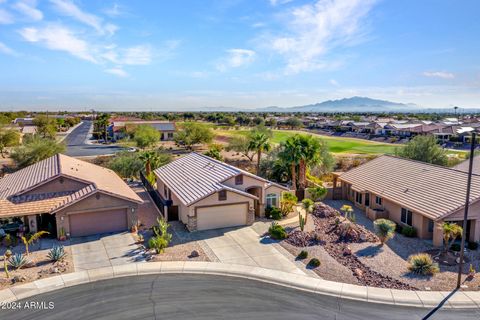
(288, 201)
(455, 247)
(384, 229)
(423, 264)
(57, 253)
(273, 213)
(472, 245)
(302, 255)
(409, 231)
(314, 263)
(277, 232)
(18, 260)
(158, 244)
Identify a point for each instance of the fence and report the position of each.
(156, 197)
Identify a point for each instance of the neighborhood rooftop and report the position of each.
(196, 176)
(432, 190)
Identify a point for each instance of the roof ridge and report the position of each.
(425, 163)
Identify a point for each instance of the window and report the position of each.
(430, 225)
(358, 197)
(272, 200)
(222, 195)
(239, 179)
(378, 200)
(406, 216)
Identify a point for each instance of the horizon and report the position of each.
(70, 55)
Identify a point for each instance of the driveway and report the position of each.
(77, 146)
(104, 251)
(244, 246)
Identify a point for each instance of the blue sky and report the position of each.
(175, 55)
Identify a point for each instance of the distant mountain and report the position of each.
(354, 104)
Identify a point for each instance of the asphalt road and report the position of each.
(76, 146)
(206, 297)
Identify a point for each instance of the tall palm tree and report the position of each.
(102, 123)
(260, 142)
(309, 155)
(291, 154)
(149, 158)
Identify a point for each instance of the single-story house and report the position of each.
(118, 129)
(207, 194)
(66, 195)
(412, 193)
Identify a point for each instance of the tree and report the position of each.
(29, 239)
(101, 124)
(317, 193)
(290, 153)
(425, 149)
(126, 164)
(451, 231)
(46, 127)
(192, 134)
(8, 138)
(260, 142)
(215, 152)
(145, 136)
(294, 123)
(241, 144)
(384, 229)
(287, 202)
(148, 157)
(34, 150)
(308, 205)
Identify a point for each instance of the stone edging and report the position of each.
(427, 299)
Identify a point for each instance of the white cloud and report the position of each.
(277, 2)
(114, 11)
(334, 82)
(313, 30)
(439, 74)
(68, 8)
(57, 37)
(119, 72)
(236, 58)
(28, 8)
(7, 50)
(5, 17)
(137, 55)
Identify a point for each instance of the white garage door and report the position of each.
(222, 216)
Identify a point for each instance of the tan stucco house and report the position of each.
(205, 193)
(412, 193)
(66, 195)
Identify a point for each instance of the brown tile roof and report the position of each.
(463, 166)
(433, 191)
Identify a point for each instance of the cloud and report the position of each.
(28, 9)
(119, 72)
(334, 82)
(137, 55)
(236, 58)
(439, 74)
(5, 17)
(68, 8)
(313, 30)
(7, 50)
(279, 2)
(57, 37)
(114, 11)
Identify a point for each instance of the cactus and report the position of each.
(18, 260)
(301, 221)
(5, 266)
(57, 253)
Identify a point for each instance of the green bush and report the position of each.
(303, 255)
(314, 263)
(273, 213)
(277, 232)
(384, 229)
(408, 231)
(472, 245)
(157, 243)
(18, 260)
(423, 264)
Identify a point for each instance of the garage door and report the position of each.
(90, 223)
(222, 216)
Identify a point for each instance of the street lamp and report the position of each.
(467, 204)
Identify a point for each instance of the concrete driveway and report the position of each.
(104, 251)
(244, 246)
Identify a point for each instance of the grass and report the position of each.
(335, 144)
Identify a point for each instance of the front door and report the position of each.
(367, 199)
(173, 213)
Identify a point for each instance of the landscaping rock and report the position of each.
(30, 264)
(358, 273)
(17, 279)
(347, 251)
(194, 254)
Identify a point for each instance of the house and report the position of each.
(412, 193)
(207, 194)
(118, 129)
(66, 195)
(464, 165)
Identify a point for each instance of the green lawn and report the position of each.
(335, 144)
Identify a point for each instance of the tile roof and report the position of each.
(195, 176)
(431, 190)
(463, 166)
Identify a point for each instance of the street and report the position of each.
(77, 146)
(173, 296)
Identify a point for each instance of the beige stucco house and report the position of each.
(412, 193)
(205, 193)
(66, 195)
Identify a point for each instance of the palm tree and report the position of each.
(291, 154)
(450, 233)
(102, 123)
(260, 142)
(149, 158)
(28, 240)
(309, 155)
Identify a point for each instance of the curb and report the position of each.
(343, 291)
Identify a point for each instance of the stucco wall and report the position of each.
(57, 186)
